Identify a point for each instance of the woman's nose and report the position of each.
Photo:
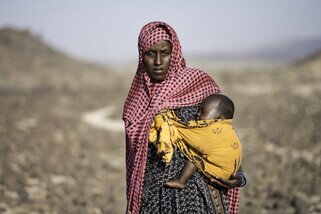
(158, 60)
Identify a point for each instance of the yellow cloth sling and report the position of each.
(211, 145)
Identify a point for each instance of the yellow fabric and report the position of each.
(211, 145)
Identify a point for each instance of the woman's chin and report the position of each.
(158, 78)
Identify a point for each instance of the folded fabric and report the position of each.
(212, 145)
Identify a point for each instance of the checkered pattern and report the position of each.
(233, 200)
(157, 34)
(182, 87)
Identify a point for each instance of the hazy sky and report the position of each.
(108, 30)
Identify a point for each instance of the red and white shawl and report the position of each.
(182, 87)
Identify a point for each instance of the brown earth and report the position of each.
(53, 162)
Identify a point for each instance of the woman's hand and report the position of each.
(234, 181)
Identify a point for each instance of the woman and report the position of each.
(163, 81)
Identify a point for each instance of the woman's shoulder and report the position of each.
(195, 74)
(188, 70)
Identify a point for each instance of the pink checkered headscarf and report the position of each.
(181, 87)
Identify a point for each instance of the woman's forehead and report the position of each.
(166, 45)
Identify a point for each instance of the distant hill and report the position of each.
(28, 63)
(288, 51)
(283, 53)
(21, 50)
(308, 69)
(312, 60)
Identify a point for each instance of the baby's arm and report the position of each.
(188, 170)
(236, 180)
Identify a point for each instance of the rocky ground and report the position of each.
(51, 161)
(277, 119)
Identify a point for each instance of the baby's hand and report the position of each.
(234, 181)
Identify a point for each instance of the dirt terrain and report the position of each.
(53, 161)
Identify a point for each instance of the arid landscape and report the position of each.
(62, 144)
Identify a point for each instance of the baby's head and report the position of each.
(216, 106)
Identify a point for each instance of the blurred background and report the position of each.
(66, 68)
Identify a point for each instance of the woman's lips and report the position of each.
(158, 71)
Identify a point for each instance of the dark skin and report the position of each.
(157, 60)
(234, 181)
(208, 110)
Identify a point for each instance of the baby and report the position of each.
(217, 151)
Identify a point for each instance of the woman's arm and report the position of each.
(236, 180)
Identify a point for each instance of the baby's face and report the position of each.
(208, 110)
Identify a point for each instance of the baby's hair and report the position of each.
(225, 105)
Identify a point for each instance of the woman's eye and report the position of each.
(150, 53)
(165, 54)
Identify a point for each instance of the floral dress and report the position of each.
(197, 197)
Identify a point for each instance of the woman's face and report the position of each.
(157, 60)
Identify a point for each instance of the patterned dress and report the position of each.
(197, 197)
